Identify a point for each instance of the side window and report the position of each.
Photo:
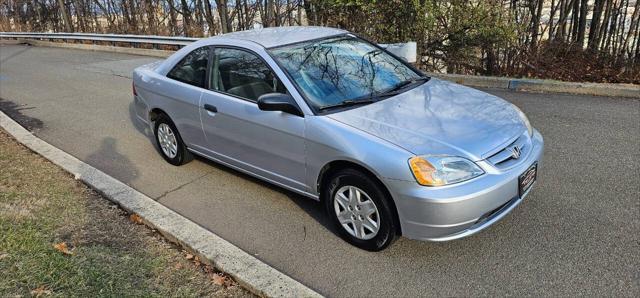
(242, 74)
(192, 69)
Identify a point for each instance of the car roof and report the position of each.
(278, 36)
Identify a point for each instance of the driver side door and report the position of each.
(270, 144)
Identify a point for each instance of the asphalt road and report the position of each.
(577, 233)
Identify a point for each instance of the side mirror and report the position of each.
(279, 102)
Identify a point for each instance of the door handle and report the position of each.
(210, 108)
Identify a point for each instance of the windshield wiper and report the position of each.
(348, 103)
(406, 83)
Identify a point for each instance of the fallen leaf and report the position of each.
(135, 218)
(208, 269)
(2, 256)
(40, 291)
(63, 248)
(218, 279)
(189, 256)
(178, 266)
(222, 279)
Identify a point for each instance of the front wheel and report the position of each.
(360, 210)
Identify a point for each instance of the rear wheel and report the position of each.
(169, 142)
(360, 211)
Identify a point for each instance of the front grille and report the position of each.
(505, 158)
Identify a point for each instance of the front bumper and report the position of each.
(463, 209)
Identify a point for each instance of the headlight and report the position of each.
(431, 170)
(525, 120)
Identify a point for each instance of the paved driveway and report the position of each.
(578, 232)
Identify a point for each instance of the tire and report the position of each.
(177, 153)
(337, 200)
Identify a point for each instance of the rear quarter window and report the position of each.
(192, 69)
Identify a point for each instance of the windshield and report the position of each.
(342, 69)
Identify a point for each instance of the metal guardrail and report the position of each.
(134, 39)
(404, 50)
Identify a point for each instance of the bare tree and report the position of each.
(65, 16)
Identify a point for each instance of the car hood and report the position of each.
(439, 117)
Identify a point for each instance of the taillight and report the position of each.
(133, 87)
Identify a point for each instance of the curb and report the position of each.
(253, 274)
(598, 89)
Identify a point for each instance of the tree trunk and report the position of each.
(208, 15)
(224, 16)
(299, 15)
(635, 18)
(535, 25)
(199, 18)
(187, 25)
(151, 17)
(602, 33)
(583, 22)
(269, 13)
(65, 16)
(133, 17)
(576, 21)
(595, 24)
(173, 18)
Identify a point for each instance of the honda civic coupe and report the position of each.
(326, 114)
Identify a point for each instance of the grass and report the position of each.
(41, 205)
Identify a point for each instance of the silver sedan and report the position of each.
(331, 116)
